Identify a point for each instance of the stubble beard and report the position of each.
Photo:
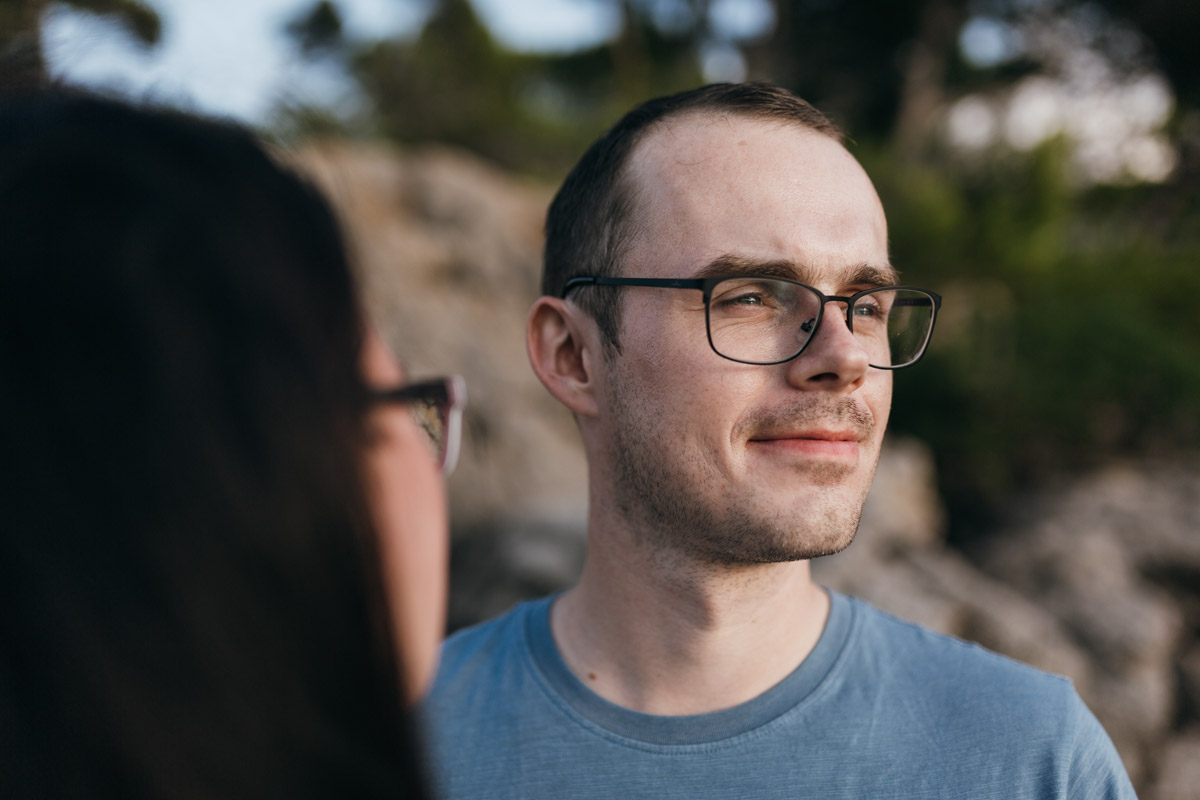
(693, 512)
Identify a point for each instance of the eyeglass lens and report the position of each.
(431, 415)
(436, 406)
(764, 321)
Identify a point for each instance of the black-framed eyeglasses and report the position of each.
(762, 319)
(436, 405)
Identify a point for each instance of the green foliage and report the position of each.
(455, 84)
(318, 29)
(1064, 337)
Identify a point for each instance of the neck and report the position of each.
(657, 631)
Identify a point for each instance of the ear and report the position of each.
(563, 343)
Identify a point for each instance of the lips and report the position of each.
(810, 427)
(811, 434)
(839, 443)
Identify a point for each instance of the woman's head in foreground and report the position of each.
(201, 575)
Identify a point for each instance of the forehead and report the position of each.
(708, 186)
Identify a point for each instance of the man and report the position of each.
(719, 316)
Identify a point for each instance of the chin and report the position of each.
(749, 541)
(808, 549)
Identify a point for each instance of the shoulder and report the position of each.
(946, 663)
(484, 660)
(964, 695)
(955, 687)
(487, 710)
(478, 642)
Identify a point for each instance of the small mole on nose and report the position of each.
(591, 676)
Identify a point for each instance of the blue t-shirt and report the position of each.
(880, 709)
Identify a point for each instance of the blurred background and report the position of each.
(1039, 161)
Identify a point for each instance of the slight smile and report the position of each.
(828, 444)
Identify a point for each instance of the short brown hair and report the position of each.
(588, 227)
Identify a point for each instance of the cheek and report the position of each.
(878, 396)
(409, 509)
(687, 397)
(692, 403)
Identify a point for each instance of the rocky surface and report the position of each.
(1097, 578)
(1114, 556)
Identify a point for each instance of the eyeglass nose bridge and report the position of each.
(849, 301)
(811, 326)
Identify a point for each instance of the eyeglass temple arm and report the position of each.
(451, 389)
(917, 301)
(662, 283)
(930, 297)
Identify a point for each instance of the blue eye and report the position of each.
(870, 308)
(754, 295)
(747, 300)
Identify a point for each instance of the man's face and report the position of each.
(736, 463)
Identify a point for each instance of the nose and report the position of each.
(834, 359)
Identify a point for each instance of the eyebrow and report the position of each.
(732, 265)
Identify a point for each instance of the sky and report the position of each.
(231, 58)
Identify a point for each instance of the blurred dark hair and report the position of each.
(591, 222)
(191, 603)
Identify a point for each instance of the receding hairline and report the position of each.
(626, 180)
(714, 116)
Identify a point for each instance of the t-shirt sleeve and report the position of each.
(1096, 769)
